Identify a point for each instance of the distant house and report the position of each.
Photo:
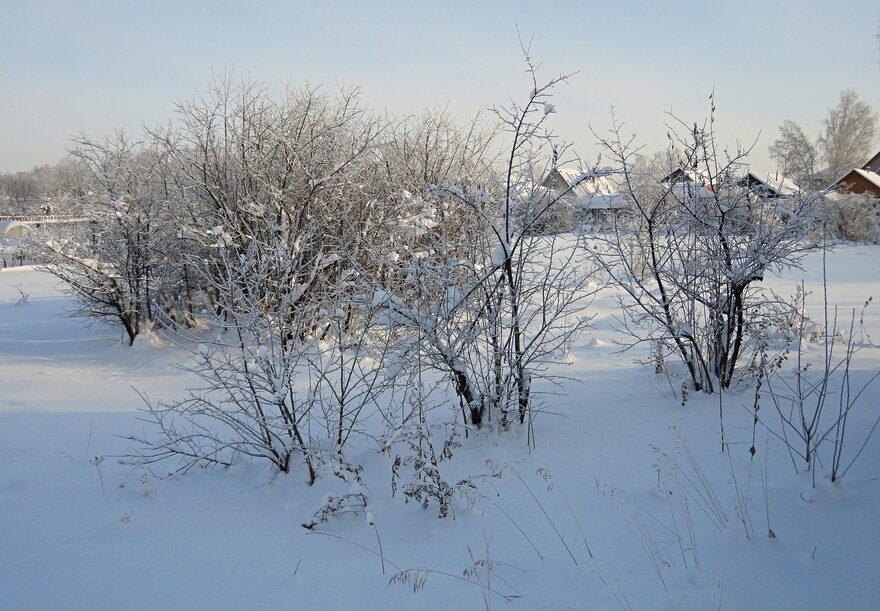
(861, 180)
(858, 181)
(598, 209)
(770, 187)
(865, 179)
(591, 195)
(687, 184)
(690, 182)
(690, 176)
(574, 183)
(856, 219)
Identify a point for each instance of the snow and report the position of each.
(78, 530)
(781, 185)
(500, 253)
(688, 175)
(687, 190)
(584, 183)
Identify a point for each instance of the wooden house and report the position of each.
(591, 196)
(858, 181)
(770, 187)
(865, 179)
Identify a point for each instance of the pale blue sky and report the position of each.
(92, 66)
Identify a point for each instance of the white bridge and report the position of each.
(39, 219)
(17, 226)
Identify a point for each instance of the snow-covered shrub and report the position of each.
(690, 260)
(427, 484)
(335, 505)
(248, 403)
(492, 307)
(115, 265)
(347, 375)
(854, 217)
(815, 399)
(285, 212)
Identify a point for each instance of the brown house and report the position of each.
(861, 180)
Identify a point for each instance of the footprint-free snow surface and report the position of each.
(627, 500)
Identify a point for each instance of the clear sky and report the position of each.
(91, 66)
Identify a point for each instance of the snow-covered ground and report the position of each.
(79, 530)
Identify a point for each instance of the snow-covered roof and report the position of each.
(685, 190)
(779, 185)
(689, 175)
(783, 185)
(871, 177)
(581, 184)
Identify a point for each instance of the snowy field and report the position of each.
(79, 530)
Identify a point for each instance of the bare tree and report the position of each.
(848, 133)
(431, 149)
(793, 152)
(541, 286)
(19, 187)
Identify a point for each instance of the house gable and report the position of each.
(873, 164)
(858, 181)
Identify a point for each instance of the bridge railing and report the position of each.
(43, 218)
